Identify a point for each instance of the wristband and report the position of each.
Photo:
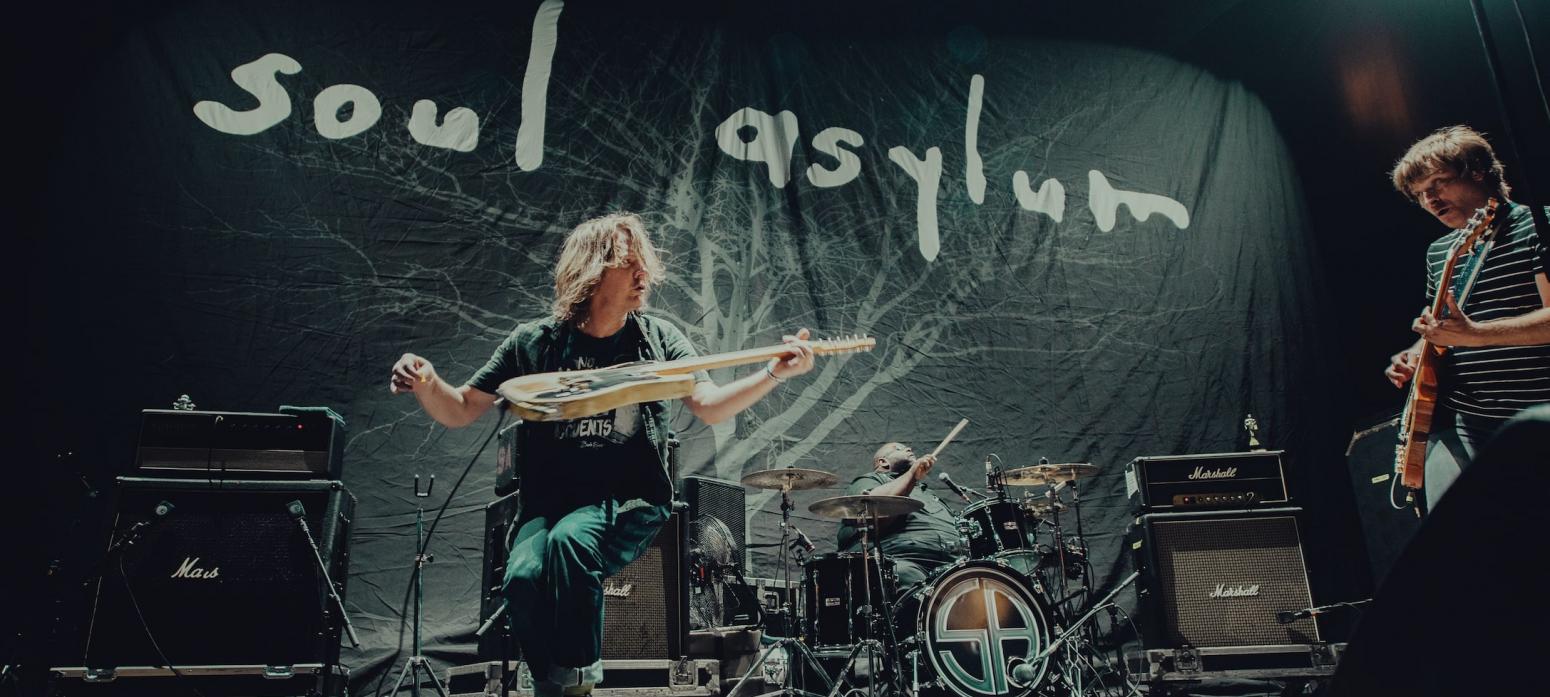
(771, 372)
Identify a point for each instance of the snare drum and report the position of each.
(961, 632)
(994, 526)
(836, 596)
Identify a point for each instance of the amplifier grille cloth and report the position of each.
(1196, 556)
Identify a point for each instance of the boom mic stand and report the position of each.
(299, 512)
(416, 661)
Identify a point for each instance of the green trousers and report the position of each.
(554, 582)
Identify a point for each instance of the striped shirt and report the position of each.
(1495, 381)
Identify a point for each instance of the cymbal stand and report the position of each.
(793, 622)
(872, 645)
(1053, 496)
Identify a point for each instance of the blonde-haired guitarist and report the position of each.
(595, 489)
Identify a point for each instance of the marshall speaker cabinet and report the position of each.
(219, 573)
(1220, 578)
(1196, 482)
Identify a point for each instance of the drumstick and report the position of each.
(950, 436)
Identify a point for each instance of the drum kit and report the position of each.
(1007, 616)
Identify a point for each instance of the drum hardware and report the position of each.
(866, 511)
(787, 480)
(1073, 676)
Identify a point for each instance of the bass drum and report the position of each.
(973, 625)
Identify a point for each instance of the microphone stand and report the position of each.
(300, 514)
(1077, 625)
(416, 661)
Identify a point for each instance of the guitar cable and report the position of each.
(139, 614)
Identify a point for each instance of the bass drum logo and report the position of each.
(978, 619)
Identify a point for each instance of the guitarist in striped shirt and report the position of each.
(1498, 336)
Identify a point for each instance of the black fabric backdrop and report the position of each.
(286, 267)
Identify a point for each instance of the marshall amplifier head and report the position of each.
(1216, 481)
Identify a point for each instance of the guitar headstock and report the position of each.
(1479, 225)
(846, 344)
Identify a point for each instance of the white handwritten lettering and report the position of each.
(927, 174)
(258, 79)
(774, 138)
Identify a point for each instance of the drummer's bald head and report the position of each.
(891, 455)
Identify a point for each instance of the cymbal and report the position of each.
(851, 507)
(790, 478)
(1039, 475)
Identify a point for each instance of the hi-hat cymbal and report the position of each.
(1039, 475)
(790, 479)
(854, 507)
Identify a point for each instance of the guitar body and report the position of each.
(573, 394)
(1416, 425)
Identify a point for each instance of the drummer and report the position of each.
(917, 543)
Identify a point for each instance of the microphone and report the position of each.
(163, 509)
(1020, 672)
(296, 510)
(990, 474)
(802, 539)
(1290, 616)
(954, 486)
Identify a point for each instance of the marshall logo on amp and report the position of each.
(1223, 473)
(1199, 482)
(611, 590)
(1242, 590)
(190, 569)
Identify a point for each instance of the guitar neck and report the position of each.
(756, 355)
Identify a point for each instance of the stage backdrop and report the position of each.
(1091, 253)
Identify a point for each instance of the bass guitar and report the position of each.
(1415, 423)
(573, 394)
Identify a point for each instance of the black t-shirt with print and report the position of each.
(607, 452)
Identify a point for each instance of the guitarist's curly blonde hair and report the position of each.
(595, 245)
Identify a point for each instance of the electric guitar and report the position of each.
(1415, 423)
(573, 394)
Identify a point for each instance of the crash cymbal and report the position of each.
(861, 507)
(790, 478)
(1040, 475)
